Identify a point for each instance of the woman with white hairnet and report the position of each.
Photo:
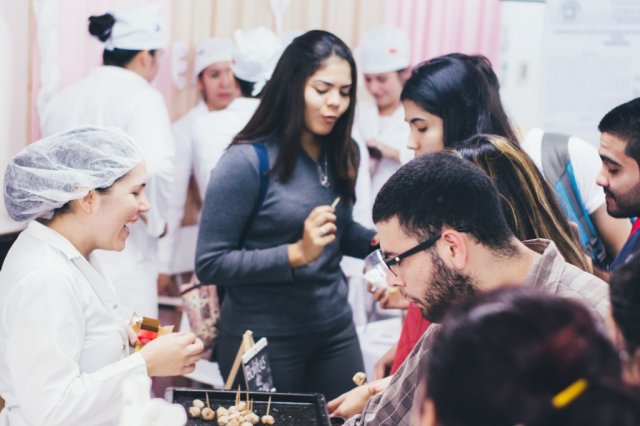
(218, 87)
(64, 351)
(118, 94)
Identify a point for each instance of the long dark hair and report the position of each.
(280, 114)
(528, 202)
(501, 358)
(463, 91)
(100, 27)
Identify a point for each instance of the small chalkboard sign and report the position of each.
(255, 364)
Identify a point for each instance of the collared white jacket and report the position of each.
(64, 351)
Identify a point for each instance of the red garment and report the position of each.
(635, 227)
(413, 328)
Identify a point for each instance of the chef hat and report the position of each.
(136, 27)
(384, 49)
(211, 51)
(47, 174)
(256, 56)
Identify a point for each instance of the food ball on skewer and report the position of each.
(194, 412)
(198, 403)
(251, 417)
(222, 412)
(223, 420)
(268, 419)
(207, 413)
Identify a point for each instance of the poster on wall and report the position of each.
(591, 63)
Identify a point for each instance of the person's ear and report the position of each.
(88, 202)
(454, 249)
(405, 74)
(428, 413)
(200, 83)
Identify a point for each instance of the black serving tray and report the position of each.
(288, 409)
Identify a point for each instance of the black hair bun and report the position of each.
(101, 26)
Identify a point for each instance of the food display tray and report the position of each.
(288, 409)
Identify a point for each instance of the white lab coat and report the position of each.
(114, 96)
(184, 167)
(212, 134)
(64, 351)
(390, 130)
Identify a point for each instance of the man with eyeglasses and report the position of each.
(442, 237)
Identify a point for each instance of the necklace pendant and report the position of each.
(324, 181)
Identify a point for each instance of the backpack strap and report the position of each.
(263, 166)
(558, 171)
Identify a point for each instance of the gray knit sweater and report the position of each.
(263, 292)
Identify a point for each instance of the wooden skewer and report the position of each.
(268, 405)
(247, 396)
(335, 202)
(238, 395)
(206, 395)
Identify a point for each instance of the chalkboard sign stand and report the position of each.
(247, 343)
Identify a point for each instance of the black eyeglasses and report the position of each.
(426, 244)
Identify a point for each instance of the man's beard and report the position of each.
(626, 205)
(445, 288)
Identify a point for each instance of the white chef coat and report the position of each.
(390, 130)
(184, 167)
(64, 352)
(212, 134)
(115, 96)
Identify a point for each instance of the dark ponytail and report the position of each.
(101, 26)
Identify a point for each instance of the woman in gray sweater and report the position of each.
(275, 243)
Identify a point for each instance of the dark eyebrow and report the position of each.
(610, 160)
(331, 84)
(413, 120)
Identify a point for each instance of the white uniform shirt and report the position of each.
(585, 161)
(63, 350)
(390, 130)
(212, 134)
(115, 96)
(184, 167)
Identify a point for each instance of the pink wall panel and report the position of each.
(78, 52)
(438, 27)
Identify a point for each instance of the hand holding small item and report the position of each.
(173, 354)
(319, 231)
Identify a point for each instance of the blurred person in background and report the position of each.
(620, 173)
(218, 88)
(119, 94)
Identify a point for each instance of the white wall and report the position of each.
(14, 87)
(520, 71)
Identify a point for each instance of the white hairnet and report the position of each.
(211, 51)
(256, 55)
(55, 170)
(137, 27)
(384, 49)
